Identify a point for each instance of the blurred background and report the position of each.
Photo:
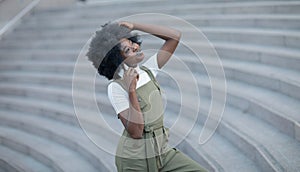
(42, 46)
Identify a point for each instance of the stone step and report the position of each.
(93, 126)
(54, 94)
(51, 44)
(44, 150)
(260, 128)
(217, 152)
(68, 114)
(251, 52)
(37, 78)
(102, 88)
(39, 128)
(82, 33)
(274, 78)
(43, 124)
(277, 56)
(67, 135)
(40, 123)
(60, 80)
(277, 146)
(39, 101)
(203, 2)
(284, 38)
(264, 148)
(199, 156)
(6, 167)
(271, 55)
(37, 106)
(54, 67)
(11, 160)
(214, 150)
(285, 81)
(279, 21)
(62, 99)
(248, 101)
(270, 37)
(281, 57)
(277, 109)
(63, 55)
(25, 87)
(257, 7)
(168, 94)
(216, 7)
(273, 37)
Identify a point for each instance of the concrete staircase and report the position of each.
(257, 42)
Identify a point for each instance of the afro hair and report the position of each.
(104, 50)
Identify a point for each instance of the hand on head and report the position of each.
(126, 24)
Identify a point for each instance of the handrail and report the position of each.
(16, 19)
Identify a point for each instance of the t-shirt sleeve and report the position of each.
(118, 97)
(151, 64)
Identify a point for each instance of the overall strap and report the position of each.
(148, 71)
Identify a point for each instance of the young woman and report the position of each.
(135, 95)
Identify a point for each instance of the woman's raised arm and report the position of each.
(171, 37)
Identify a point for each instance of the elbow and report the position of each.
(174, 35)
(177, 35)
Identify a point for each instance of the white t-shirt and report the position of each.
(119, 97)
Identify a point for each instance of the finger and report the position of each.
(132, 71)
(121, 23)
(128, 71)
(134, 77)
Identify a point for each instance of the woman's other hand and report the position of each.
(126, 24)
(130, 78)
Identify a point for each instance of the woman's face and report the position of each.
(131, 52)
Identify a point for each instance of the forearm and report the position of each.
(135, 121)
(162, 32)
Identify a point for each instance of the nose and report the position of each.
(135, 47)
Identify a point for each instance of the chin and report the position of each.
(140, 58)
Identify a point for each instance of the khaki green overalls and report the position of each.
(151, 153)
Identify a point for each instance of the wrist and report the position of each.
(133, 26)
(131, 90)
